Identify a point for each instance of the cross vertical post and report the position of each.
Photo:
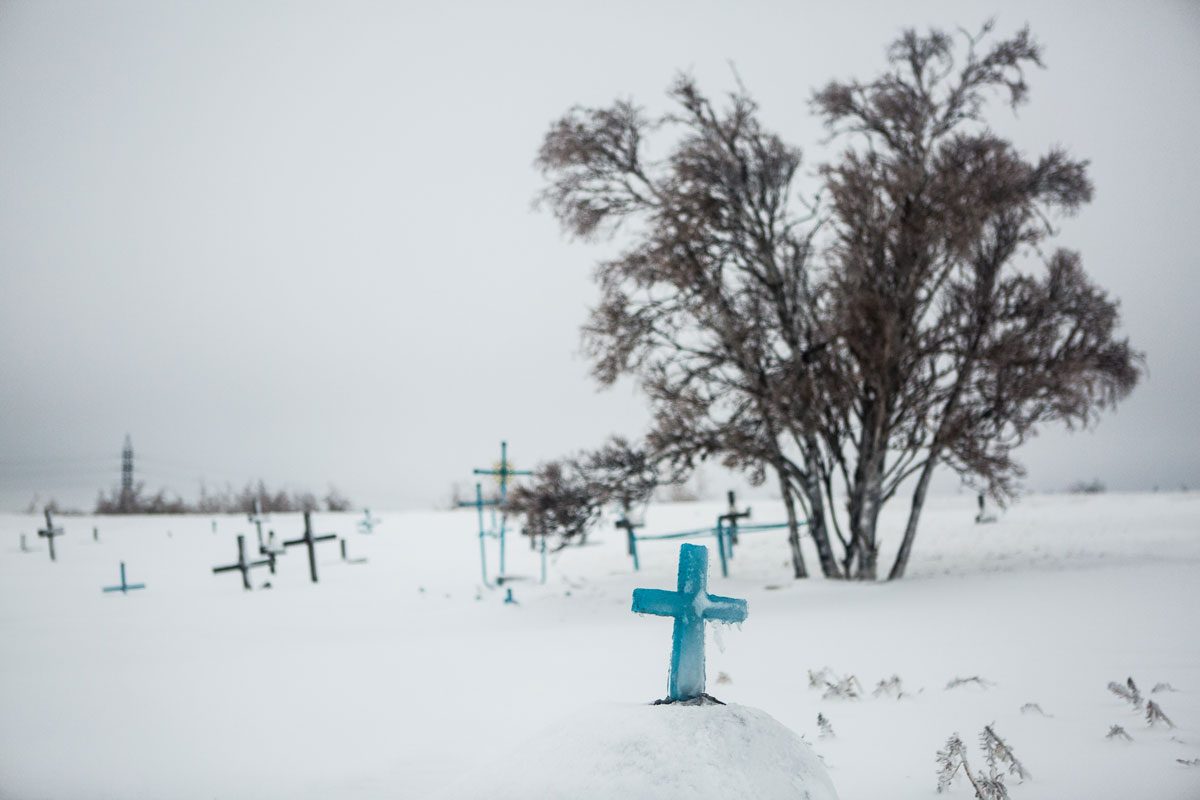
(691, 606)
(309, 540)
(49, 532)
(479, 504)
(730, 520)
(629, 526)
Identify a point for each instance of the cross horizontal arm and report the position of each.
(658, 601)
(473, 504)
(679, 535)
(725, 609)
(502, 472)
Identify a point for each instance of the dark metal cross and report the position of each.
(729, 521)
(242, 564)
(124, 588)
(50, 532)
(308, 539)
(629, 526)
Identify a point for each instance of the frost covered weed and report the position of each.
(824, 727)
(1128, 691)
(975, 679)
(891, 687)
(847, 688)
(1189, 762)
(1117, 732)
(998, 753)
(1155, 715)
(998, 757)
(1163, 687)
(1034, 708)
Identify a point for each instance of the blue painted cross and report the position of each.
(367, 523)
(502, 472)
(691, 606)
(124, 588)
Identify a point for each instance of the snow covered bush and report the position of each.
(565, 498)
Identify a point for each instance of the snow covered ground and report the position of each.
(401, 677)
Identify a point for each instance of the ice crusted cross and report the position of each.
(691, 605)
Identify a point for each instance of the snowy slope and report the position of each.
(397, 677)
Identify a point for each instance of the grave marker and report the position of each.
(24, 547)
(309, 540)
(49, 532)
(483, 532)
(502, 471)
(348, 560)
(730, 522)
(367, 523)
(629, 526)
(270, 549)
(242, 564)
(691, 606)
(124, 588)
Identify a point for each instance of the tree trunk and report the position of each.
(816, 522)
(793, 528)
(864, 501)
(914, 514)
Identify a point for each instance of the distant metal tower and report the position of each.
(126, 475)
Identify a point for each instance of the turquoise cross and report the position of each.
(125, 587)
(691, 605)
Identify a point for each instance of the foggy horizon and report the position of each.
(296, 242)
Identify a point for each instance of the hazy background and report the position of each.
(294, 241)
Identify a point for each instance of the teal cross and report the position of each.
(503, 473)
(124, 588)
(691, 605)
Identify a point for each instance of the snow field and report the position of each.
(399, 677)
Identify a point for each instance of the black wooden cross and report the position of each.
(242, 564)
(309, 540)
(50, 532)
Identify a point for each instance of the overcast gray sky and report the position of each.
(295, 240)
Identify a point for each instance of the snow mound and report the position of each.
(666, 751)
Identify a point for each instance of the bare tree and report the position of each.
(565, 498)
(845, 350)
(950, 341)
(713, 298)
